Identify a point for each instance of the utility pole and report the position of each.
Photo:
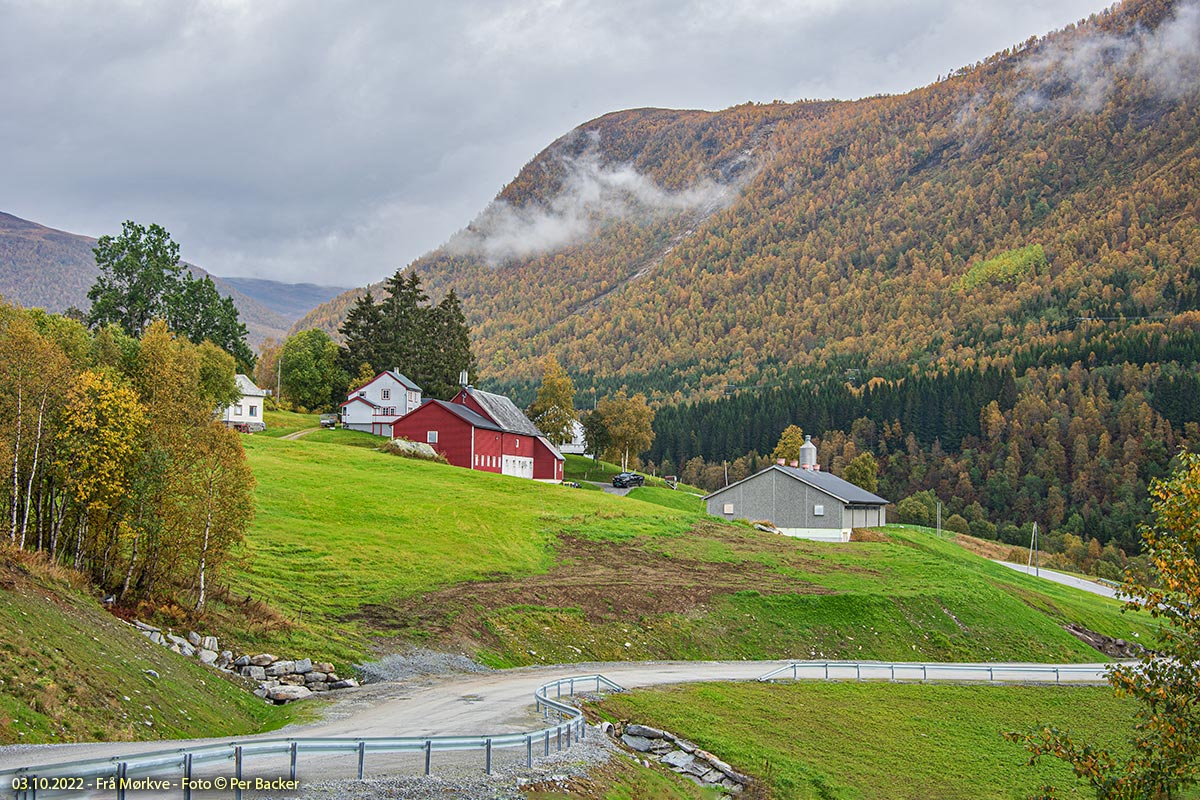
(1035, 556)
(939, 519)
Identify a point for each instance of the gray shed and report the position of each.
(805, 503)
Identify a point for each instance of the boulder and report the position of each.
(175, 649)
(141, 626)
(678, 760)
(639, 743)
(323, 666)
(210, 643)
(644, 731)
(318, 687)
(254, 673)
(286, 694)
(292, 680)
(187, 650)
(314, 677)
(156, 637)
(282, 668)
(178, 641)
(206, 656)
(263, 659)
(194, 639)
(242, 661)
(302, 666)
(260, 692)
(348, 683)
(332, 677)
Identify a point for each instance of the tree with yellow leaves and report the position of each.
(1166, 682)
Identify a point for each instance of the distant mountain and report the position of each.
(52, 269)
(292, 300)
(686, 253)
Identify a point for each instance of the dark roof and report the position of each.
(504, 412)
(826, 482)
(401, 378)
(466, 415)
(829, 483)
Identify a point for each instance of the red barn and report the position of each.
(483, 431)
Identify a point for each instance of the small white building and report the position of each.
(577, 445)
(247, 412)
(374, 406)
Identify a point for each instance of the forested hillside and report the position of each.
(679, 252)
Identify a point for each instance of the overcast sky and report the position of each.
(333, 142)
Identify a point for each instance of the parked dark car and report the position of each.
(625, 480)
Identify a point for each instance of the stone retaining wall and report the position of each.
(279, 680)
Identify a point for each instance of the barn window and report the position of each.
(818, 511)
(431, 437)
(728, 509)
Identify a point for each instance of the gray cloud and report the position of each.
(335, 141)
(1082, 69)
(592, 194)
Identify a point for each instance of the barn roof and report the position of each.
(466, 415)
(504, 412)
(826, 482)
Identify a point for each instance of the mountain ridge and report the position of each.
(53, 269)
(845, 246)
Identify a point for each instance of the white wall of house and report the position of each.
(388, 400)
(248, 409)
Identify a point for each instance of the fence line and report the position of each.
(568, 726)
(919, 671)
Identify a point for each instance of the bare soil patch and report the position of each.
(605, 581)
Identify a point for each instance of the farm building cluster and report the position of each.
(487, 432)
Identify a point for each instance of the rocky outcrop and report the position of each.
(685, 758)
(278, 680)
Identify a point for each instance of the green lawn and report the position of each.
(350, 544)
(880, 740)
(71, 672)
(281, 423)
(581, 468)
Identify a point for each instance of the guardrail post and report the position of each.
(558, 733)
(362, 757)
(857, 671)
(292, 760)
(924, 673)
(991, 673)
(529, 751)
(1057, 677)
(488, 766)
(558, 688)
(237, 761)
(893, 666)
(597, 684)
(187, 776)
(826, 670)
(547, 743)
(582, 728)
(572, 687)
(428, 754)
(120, 781)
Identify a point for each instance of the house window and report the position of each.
(728, 509)
(237, 410)
(254, 411)
(431, 437)
(385, 394)
(818, 511)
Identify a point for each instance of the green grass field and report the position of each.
(880, 740)
(72, 672)
(350, 545)
(281, 423)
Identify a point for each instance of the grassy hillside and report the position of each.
(354, 547)
(879, 740)
(69, 671)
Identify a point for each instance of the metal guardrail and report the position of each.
(917, 671)
(25, 783)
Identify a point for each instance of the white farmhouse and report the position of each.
(375, 405)
(246, 414)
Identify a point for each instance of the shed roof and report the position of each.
(826, 482)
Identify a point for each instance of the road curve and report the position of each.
(1064, 578)
(473, 703)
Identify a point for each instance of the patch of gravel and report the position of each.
(416, 662)
(468, 782)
